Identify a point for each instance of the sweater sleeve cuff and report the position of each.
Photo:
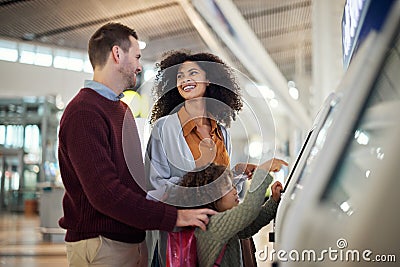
(271, 205)
(169, 220)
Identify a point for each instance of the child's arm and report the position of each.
(267, 214)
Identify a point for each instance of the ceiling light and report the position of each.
(294, 93)
(142, 45)
(274, 103)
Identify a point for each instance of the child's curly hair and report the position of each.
(222, 88)
(219, 175)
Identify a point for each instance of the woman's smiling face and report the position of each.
(191, 80)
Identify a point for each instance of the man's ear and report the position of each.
(115, 53)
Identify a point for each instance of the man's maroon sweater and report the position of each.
(101, 164)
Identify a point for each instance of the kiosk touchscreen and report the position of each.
(347, 213)
(296, 163)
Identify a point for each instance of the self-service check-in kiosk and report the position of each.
(344, 211)
(309, 150)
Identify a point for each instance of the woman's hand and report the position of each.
(273, 165)
(246, 168)
(276, 189)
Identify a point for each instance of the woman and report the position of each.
(196, 98)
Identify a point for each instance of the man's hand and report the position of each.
(194, 217)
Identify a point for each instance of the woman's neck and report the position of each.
(196, 108)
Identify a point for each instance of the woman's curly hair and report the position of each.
(199, 177)
(222, 88)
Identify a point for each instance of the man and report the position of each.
(105, 209)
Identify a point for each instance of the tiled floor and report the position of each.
(22, 243)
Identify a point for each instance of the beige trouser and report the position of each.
(104, 252)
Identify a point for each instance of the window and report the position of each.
(46, 56)
(8, 51)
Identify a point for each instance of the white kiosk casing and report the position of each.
(348, 200)
(308, 151)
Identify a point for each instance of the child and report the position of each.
(234, 221)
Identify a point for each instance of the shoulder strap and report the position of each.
(220, 256)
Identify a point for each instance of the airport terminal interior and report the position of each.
(320, 81)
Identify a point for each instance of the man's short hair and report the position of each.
(103, 40)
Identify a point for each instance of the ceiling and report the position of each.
(282, 26)
(282, 30)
